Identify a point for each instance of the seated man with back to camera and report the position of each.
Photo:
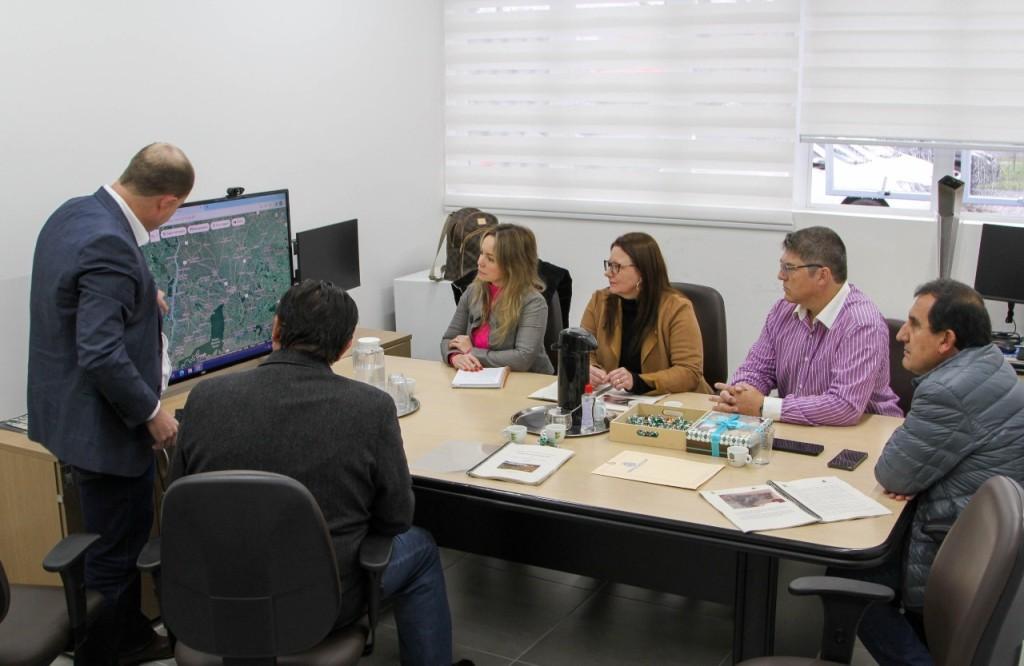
(824, 345)
(338, 437)
(965, 425)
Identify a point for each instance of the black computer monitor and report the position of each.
(223, 264)
(329, 253)
(1000, 274)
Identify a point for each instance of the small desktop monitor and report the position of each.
(1000, 274)
(223, 264)
(329, 253)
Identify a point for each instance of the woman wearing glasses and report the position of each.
(648, 337)
(500, 319)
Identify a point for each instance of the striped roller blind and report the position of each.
(655, 110)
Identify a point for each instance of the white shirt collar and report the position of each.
(141, 235)
(828, 314)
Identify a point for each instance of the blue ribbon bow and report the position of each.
(724, 425)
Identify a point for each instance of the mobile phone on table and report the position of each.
(848, 459)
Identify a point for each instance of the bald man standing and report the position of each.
(94, 378)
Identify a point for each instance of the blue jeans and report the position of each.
(893, 638)
(414, 582)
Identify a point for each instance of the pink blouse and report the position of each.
(481, 336)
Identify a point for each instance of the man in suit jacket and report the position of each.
(94, 376)
(338, 437)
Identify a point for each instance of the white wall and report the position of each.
(339, 101)
(342, 103)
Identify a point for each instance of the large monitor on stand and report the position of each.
(223, 264)
(329, 253)
(1000, 274)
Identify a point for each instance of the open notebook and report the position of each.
(484, 378)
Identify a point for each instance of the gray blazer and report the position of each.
(966, 424)
(524, 352)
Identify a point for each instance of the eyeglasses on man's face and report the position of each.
(789, 269)
(614, 267)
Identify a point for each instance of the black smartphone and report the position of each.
(848, 459)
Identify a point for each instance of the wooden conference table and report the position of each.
(642, 534)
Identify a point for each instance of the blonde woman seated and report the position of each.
(501, 318)
(647, 334)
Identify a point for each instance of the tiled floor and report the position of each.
(505, 613)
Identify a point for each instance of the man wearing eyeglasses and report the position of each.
(824, 345)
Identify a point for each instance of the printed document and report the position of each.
(615, 401)
(522, 463)
(778, 504)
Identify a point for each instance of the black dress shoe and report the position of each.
(464, 662)
(156, 649)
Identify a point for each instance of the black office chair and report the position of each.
(709, 307)
(554, 327)
(899, 377)
(247, 573)
(973, 602)
(38, 622)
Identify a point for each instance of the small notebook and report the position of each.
(485, 378)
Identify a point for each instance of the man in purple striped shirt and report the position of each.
(824, 345)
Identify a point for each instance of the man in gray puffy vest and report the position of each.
(965, 425)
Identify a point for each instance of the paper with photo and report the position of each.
(780, 504)
(522, 463)
(660, 470)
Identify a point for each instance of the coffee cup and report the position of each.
(738, 455)
(555, 432)
(515, 434)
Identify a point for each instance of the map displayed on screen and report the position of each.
(223, 265)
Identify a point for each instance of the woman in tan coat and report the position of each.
(647, 334)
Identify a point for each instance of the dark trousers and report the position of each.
(120, 510)
(894, 637)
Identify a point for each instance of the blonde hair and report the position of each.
(515, 252)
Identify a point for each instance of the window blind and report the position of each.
(659, 110)
(947, 72)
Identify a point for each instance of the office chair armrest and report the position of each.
(149, 558)
(844, 602)
(937, 531)
(68, 551)
(833, 586)
(374, 556)
(375, 552)
(67, 559)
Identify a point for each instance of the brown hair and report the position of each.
(645, 254)
(515, 251)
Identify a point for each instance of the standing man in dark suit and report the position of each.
(95, 375)
(338, 437)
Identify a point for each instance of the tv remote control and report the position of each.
(803, 448)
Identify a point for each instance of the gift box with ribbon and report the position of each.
(717, 431)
